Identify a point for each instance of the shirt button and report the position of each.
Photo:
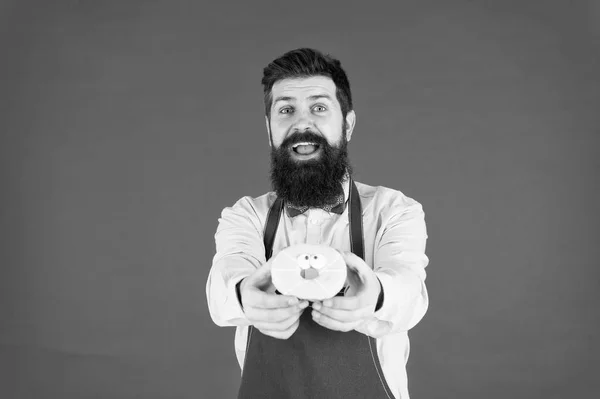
(315, 221)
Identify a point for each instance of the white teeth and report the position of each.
(297, 144)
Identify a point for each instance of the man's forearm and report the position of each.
(223, 299)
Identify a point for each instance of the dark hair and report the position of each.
(306, 62)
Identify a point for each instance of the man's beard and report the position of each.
(314, 182)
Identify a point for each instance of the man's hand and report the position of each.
(358, 305)
(274, 315)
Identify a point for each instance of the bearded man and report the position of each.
(354, 345)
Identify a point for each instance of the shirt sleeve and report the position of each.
(399, 263)
(239, 251)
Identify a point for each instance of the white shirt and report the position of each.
(394, 239)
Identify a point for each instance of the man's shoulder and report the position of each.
(382, 198)
(256, 205)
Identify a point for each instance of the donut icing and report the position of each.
(311, 272)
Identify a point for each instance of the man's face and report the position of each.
(308, 137)
(306, 104)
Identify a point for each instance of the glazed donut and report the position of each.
(311, 272)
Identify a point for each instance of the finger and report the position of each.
(345, 316)
(253, 297)
(280, 326)
(332, 324)
(345, 302)
(274, 315)
(282, 334)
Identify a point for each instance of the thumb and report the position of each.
(370, 281)
(261, 278)
(356, 264)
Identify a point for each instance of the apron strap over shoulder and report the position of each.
(357, 245)
(271, 227)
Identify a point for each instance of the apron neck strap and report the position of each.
(357, 245)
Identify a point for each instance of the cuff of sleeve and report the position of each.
(239, 294)
(399, 290)
(235, 299)
(380, 298)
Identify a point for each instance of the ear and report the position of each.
(350, 122)
(268, 130)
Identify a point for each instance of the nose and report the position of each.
(303, 122)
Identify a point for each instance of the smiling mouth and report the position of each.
(305, 148)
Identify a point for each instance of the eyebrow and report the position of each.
(315, 97)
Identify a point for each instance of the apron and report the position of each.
(314, 362)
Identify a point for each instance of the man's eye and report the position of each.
(286, 110)
(319, 108)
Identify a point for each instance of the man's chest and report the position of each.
(320, 228)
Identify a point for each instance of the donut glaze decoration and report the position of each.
(311, 272)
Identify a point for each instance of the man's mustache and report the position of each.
(307, 136)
